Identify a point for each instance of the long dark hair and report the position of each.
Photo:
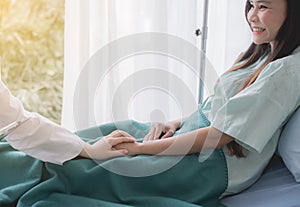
(286, 41)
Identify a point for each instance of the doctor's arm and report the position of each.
(40, 138)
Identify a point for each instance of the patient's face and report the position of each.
(266, 17)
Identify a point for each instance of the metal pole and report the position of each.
(203, 50)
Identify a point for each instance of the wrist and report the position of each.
(148, 148)
(141, 148)
(86, 150)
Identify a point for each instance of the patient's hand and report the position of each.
(162, 130)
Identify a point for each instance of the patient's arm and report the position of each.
(191, 142)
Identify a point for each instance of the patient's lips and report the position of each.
(257, 30)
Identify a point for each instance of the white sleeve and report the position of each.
(36, 135)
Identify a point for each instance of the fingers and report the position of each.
(105, 148)
(149, 136)
(118, 140)
(155, 132)
(118, 153)
(119, 133)
(168, 134)
(158, 131)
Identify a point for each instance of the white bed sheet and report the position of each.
(276, 188)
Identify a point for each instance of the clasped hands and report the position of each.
(119, 143)
(157, 131)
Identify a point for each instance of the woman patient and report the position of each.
(251, 103)
(239, 125)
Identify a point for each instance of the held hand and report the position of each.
(162, 130)
(104, 148)
(132, 148)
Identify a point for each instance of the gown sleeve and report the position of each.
(35, 135)
(253, 115)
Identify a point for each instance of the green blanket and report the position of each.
(141, 181)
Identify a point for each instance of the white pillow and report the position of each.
(289, 144)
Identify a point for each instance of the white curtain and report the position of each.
(129, 59)
(228, 33)
(138, 59)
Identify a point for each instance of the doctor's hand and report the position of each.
(104, 148)
(162, 130)
(133, 148)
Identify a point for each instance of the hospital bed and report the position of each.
(276, 188)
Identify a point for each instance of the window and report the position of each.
(32, 53)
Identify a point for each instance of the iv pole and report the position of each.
(203, 34)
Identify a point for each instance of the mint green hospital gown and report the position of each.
(255, 116)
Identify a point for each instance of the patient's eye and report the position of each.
(262, 7)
